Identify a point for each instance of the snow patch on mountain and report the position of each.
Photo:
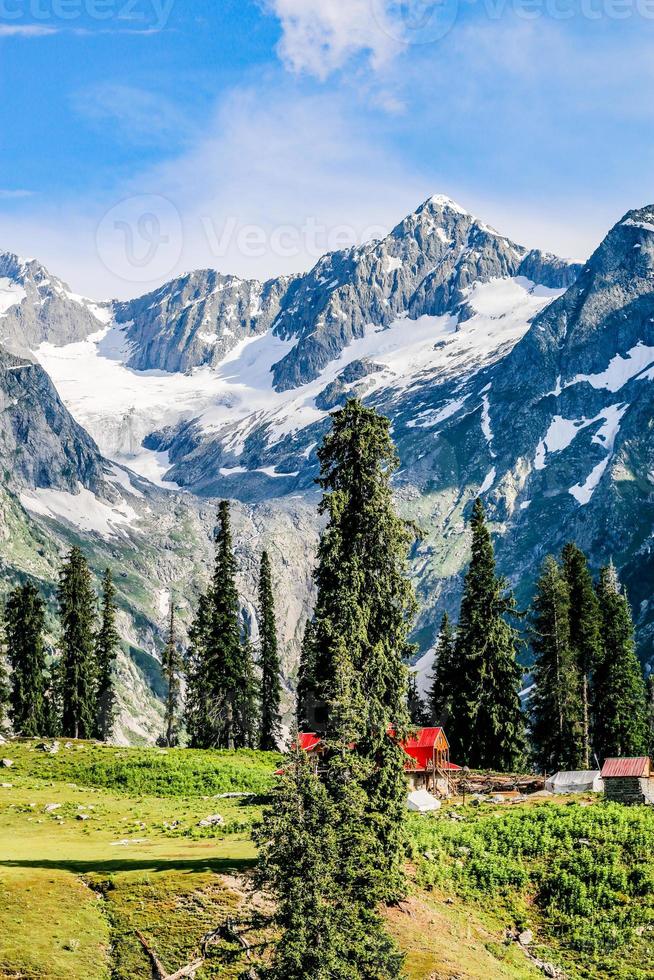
(83, 510)
(620, 369)
(11, 294)
(605, 437)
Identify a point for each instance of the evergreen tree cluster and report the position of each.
(590, 699)
(227, 705)
(75, 696)
(476, 681)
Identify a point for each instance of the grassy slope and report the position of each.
(580, 874)
(70, 887)
(73, 892)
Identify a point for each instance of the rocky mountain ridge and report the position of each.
(506, 373)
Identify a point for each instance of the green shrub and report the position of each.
(586, 871)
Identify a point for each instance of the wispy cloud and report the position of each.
(27, 30)
(7, 194)
(142, 116)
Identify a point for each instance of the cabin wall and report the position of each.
(629, 789)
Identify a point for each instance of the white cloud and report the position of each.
(321, 36)
(26, 30)
(141, 116)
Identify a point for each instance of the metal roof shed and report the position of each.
(628, 780)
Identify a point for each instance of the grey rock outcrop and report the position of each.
(36, 307)
(195, 320)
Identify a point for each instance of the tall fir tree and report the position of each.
(556, 707)
(78, 676)
(415, 704)
(106, 651)
(585, 639)
(306, 680)
(248, 707)
(325, 933)
(171, 668)
(196, 707)
(25, 624)
(217, 671)
(650, 713)
(486, 730)
(619, 694)
(444, 676)
(5, 685)
(270, 725)
(354, 670)
(364, 612)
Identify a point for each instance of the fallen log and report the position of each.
(159, 971)
(226, 931)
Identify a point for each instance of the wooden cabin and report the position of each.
(628, 780)
(428, 764)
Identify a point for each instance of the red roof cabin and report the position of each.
(428, 765)
(628, 780)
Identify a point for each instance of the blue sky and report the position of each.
(251, 136)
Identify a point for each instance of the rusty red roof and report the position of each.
(637, 767)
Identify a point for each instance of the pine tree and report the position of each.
(556, 704)
(306, 681)
(5, 685)
(364, 611)
(270, 730)
(486, 730)
(325, 934)
(619, 694)
(224, 658)
(216, 671)
(416, 706)
(25, 623)
(248, 700)
(106, 650)
(584, 630)
(171, 668)
(354, 667)
(196, 708)
(77, 604)
(650, 713)
(444, 676)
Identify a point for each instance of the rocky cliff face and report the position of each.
(36, 307)
(425, 266)
(197, 319)
(41, 445)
